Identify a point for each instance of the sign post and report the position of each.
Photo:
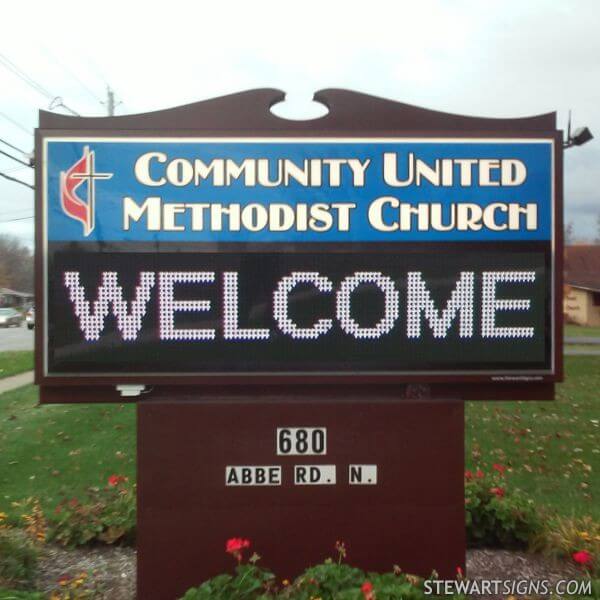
(300, 309)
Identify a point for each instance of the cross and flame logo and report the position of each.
(71, 181)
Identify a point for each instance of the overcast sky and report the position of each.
(494, 59)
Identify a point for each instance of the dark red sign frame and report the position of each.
(350, 115)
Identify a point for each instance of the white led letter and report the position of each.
(231, 326)
(110, 293)
(280, 305)
(419, 300)
(343, 304)
(169, 306)
(490, 304)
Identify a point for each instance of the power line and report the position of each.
(58, 101)
(15, 158)
(19, 219)
(15, 180)
(16, 123)
(52, 57)
(16, 169)
(93, 66)
(13, 147)
(11, 213)
(8, 64)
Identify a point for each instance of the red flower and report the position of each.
(115, 480)
(583, 557)
(367, 590)
(468, 475)
(459, 573)
(498, 491)
(64, 579)
(498, 467)
(479, 474)
(235, 546)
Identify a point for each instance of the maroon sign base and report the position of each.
(409, 511)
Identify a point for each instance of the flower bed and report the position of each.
(331, 580)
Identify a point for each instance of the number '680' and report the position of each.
(301, 441)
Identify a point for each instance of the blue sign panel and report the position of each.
(326, 190)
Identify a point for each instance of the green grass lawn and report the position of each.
(53, 451)
(551, 448)
(579, 331)
(12, 363)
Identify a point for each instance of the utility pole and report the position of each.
(110, 101)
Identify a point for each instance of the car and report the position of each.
(9, 317)
(30, 318)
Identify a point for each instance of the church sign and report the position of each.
(301, 309)
(298, 257)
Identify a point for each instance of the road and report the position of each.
(16, 338)
(583, 340)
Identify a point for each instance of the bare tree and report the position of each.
(4, 281)
(16, 264)
(569, 233)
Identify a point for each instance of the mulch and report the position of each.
(111, 569)
(504, 564)
(114, 574)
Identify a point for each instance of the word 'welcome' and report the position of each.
(420, 308)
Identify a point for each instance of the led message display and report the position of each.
(298, 257)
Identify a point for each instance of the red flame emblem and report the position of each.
(70, 182)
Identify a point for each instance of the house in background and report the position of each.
(15, 299)
(582, 285)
